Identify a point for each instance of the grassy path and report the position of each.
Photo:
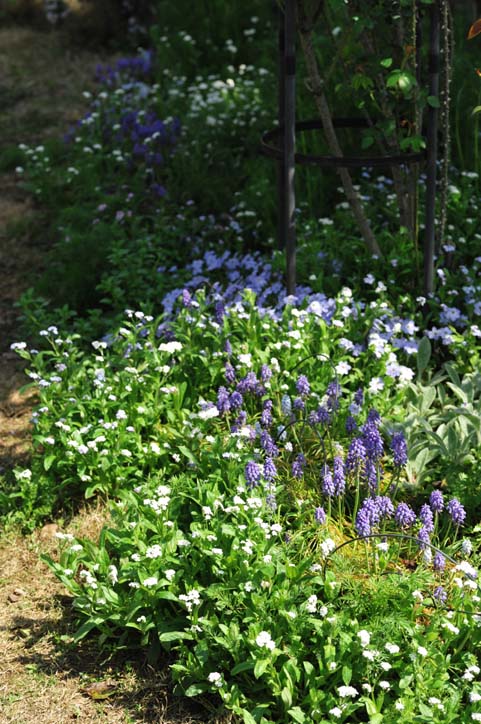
(42, 678)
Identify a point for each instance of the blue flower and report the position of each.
(253, 473)
(405, 517)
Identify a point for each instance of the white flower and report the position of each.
(475, 716)
(385, 685)
(170, 347)
(467, 569)
(422, 651)
(364, 636)
(345, 691)
(327, 546)
(343, 368)
(169, 574)
(215, 678)
(392, 648)
(208, 413)
(152, 581)
(399, 705)
(264, 640)
(474, 697)
(336, 711)
(311, 605)
(385, 665)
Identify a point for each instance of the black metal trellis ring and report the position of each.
(275, 151)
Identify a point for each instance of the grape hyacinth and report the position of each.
(286, 405)
(302, 386)
(223, 403)
(270, 470)
(339, 479)
(399, 449)
(298, 466)
(327, 482)
(456, 511)
(426, 518)
(356, 455)
(404, 516)
(439, 561)
(320, 515)
(436, 501)
(423, 539)
(253, 473)
(440, 595)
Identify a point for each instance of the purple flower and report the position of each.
(356, 455)
(240, 421)
(323, 416)
(286, 405)
(339, 479)
(228, 348)
(186, 298)
(219, 312)
(373, 416)
(299, 404)
(426, 517)
(439, 561)
(399, 449)
(423, 538)
(268, 445)
(436, 501)
(333, 392)
(404, 516)
(298, 466)
(440, 595)
(320, 516)
(327, 482)
(270, 470)
(370, 474)
(372, 440)
(266, 416)
(236, 400)
(229, 373)
(385, 506)
(456, 511)
(302, 386)
(266, 373)
(253, 473)
(223, 403)
(351, 425)
(359, 397)
(271, 501)
(367, 517)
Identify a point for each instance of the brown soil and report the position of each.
(43, 679)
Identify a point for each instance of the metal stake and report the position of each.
(432, 149)
(290, 141)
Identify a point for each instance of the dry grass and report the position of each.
(45, 680)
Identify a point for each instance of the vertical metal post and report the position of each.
(432, 148)
(290, 141)
(281, 183)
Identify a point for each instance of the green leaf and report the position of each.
(424, 354)
(308, 667)
(243, 666)
(376, 719)
(346, 675)
(433, 101)
(175, 636)
(196, 689)
(386, 63)
(248, 718)
(286, 696)
(260, 667)
(367, 142)
(475, 110)
(48, 462)
(297, 714)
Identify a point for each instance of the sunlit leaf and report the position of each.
(475, 29)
